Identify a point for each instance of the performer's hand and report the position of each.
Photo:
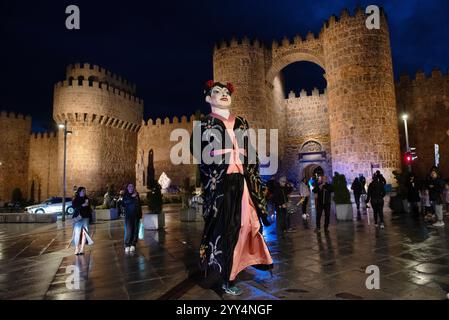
(203, 252)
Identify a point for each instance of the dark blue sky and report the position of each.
(165, 47)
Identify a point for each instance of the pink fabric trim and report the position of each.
(251, 248)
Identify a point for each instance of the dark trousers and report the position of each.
(304, 205)
(415, 208)
(378, 209)
(357, 200)
(131, 230)
(282, 219)
(327, 214)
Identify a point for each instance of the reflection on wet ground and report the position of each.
(413, 260)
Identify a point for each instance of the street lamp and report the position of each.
(64, 171)
(407, 144)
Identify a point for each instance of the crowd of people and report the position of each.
(127, 203)
(431, 195)
(428, 197)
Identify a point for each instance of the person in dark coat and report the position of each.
(381, 178)
(81, 218)
(435, 185)
(413, 196)
(376, 194)
(133, 215)
(358, 189)
(323, 195)
(280, 199)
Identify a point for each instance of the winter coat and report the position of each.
(324, 194)
(376, 191)
(131, 205)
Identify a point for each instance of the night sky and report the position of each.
(165, 47)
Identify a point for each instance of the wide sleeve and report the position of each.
(256, 185)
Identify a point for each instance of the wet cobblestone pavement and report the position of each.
(413, 260)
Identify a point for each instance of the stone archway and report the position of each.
(287, 56)
(312, 159)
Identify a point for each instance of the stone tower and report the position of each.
(243, 64)
(361, 93)
(15, 132)
(105, 117)
(363, 120)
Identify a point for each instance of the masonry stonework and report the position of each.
(360, 92)
(155, 136)
(43, 178)
(105, 121)
(426, 100)
(15, 132)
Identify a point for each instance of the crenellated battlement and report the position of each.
(421, 78)
(93, 85)
(305, 94)
(346, 16)
(167, 121)
(44, 135)
(297, 40)
(87, 119)
(91, 72)
(15, 116)
(245, 42)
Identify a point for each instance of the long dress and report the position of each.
(234, 204)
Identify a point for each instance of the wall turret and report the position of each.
(105, 119)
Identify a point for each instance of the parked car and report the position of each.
(52, 205)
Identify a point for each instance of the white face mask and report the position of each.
(220, 98)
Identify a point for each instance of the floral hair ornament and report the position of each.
(230, 87)
(211, 83)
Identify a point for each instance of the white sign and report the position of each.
(437, 155)
(164, 181)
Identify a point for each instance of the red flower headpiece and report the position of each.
(230, 87)
(211, 83)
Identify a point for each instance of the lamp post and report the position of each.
(64, 171)
(407, 144)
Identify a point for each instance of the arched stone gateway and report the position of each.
(312, 160)
(360, 92)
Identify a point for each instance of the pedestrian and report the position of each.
(381, 177)
(81, 217)
(446, 197)
(280, 199)
(426, 206)
(358, 189)
(271, 186)
(376, 194)
(435, 186)
(323, 196)
(133, 215)
(304, 192)
(119, 203)
(413, 195)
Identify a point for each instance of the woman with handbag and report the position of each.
(81, 218)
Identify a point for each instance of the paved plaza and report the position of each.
(413, 260)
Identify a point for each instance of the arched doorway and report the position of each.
(312, 160)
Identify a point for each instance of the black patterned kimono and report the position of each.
(225, 191)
